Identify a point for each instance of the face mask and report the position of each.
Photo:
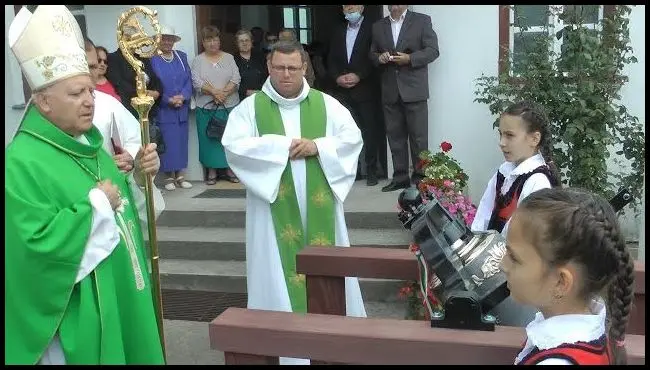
(353, 17)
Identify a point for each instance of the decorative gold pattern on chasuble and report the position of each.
(283, 191)
(127, 235)
(320, 239)
(318, 198)
(290, 235)
(297, 279)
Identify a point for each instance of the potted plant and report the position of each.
(446, 181)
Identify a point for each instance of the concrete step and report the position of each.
(197, 243)
(366, 208)
(233, 218)
(230, 277)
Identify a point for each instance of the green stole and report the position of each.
(289, 233)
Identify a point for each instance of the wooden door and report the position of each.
(225, 17)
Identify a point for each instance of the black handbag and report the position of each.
(155, 136)
(216, 126)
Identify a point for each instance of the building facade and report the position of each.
(468, 36)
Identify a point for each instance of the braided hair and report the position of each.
(582, 227)
(536, 120)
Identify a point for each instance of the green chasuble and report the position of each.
(106, 318)
(287, 222)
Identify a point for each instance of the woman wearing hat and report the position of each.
(172, 117)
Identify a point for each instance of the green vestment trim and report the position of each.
(106, 318)
(288, 225)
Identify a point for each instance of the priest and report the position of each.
(296, 150)
(77, 289)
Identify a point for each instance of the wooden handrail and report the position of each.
(326, 267)
(253, 337)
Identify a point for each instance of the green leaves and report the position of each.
(579, 88)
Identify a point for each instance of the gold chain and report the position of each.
(98, 176)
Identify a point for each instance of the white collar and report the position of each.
(510, 169)
(401, 18)
(268, 89)
(566, 329)
(82, 139)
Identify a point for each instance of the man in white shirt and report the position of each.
(403, 44)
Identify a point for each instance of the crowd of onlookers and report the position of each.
(215, 81)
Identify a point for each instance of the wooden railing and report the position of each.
(325, 269)
(259, 337)
(326, 335)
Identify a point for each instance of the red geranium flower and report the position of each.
(445, 146)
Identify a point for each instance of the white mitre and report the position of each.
(48, 45)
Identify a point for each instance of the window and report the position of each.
(521, 25)
(298, 17)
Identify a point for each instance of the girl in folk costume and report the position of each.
(525, 141)
(565, 252)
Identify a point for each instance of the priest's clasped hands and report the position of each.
(302, 148)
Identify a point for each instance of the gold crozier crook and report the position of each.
(132, 39)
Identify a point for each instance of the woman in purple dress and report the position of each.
(173, 114)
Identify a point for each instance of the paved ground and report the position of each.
(188, 342)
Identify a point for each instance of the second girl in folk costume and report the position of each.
(525, 140)
(173, 70)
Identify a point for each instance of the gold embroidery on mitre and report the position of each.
(46, 65)
(290, 235)
(320, 239)
(54, 66)
(62, 25)
(318, 198)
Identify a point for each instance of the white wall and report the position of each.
(468, 39)
(13, 83)
(633, 93)
(633, 97)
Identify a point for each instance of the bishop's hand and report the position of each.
(112, 193)
(147, 162)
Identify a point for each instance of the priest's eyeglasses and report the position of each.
(281, 69)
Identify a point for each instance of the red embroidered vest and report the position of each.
(595, 352)
(506, 204)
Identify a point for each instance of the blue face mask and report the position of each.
(353, 17)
